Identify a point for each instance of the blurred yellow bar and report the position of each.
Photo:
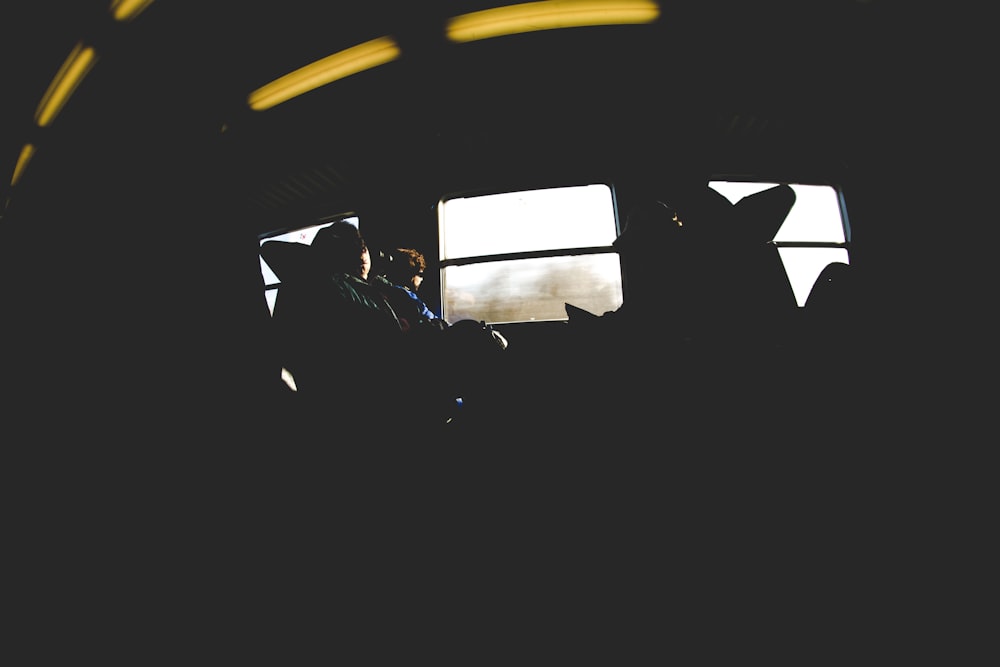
(548, 15)
(326, 70)
(76, 66)
(22, 162)
(126, 10)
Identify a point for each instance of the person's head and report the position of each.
(682, 215)
(648, 226)
(341, 248)
(407, 268)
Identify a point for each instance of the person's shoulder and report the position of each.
(349, 288)
(409, 293)
(387, 287)
(381, 282)
(353, 282)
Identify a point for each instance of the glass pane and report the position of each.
(737, 190)
(803, 266)
(271, 296)
(815, 216)
(536, 289)
(572, 217)
(270, 278)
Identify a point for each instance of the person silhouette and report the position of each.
(336, 334)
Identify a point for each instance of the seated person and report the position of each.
(336, 334)
(701, 268)
(669, 255)
(344, 346)
(707, 308)
(399, 283)
(463, 353)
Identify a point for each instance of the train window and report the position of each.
(302, 235)
(814, 234)
(521, 256)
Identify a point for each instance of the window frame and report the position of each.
(467, 260)
(801, 292)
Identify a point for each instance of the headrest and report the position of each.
(833, 289)
(290, 261)
(758, 217)
(336, 247)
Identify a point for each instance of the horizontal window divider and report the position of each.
(534, 254)
(810, 244)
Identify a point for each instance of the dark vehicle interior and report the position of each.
(137, 317)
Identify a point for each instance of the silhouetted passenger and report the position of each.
(700, 268)
(459, 359)
(337, 335)
(706, 298)
(831, 339)
(670, 253)
(759, 300)
(349, 354)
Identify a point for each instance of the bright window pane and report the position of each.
(271, 295)
(814, 217)
(270, 278)
(526, 289)
(803, 266)
(573, 217)
(536, 289)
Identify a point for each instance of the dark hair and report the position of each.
(406, 263)
(648, 222)
(698, 213)
(340, 246)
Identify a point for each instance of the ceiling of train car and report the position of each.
(758, 86)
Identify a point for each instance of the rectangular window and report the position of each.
(521, 256)
(814, 234)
